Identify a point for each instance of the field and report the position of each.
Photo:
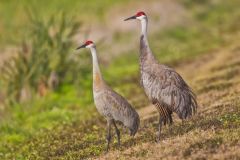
(200, 39)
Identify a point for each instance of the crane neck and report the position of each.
(144, 45)
(144, 25)
(97, 76)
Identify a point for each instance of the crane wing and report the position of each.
(168, 87)
(119, 107)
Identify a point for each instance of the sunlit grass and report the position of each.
(32, 124)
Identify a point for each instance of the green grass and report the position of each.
(58, 125)
(28, 119)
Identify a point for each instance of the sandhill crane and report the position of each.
(165, 88)
(109, 103)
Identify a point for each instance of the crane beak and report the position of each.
(133, 17)
(82, 46)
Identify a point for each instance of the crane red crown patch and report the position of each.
(140, 14)
(88, 42)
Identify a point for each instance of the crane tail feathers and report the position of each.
(187, 105)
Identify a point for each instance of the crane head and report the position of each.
(87, 44)
(139, 15)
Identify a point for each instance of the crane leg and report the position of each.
(182, 122)
(108, 137)
(170, 124)
(159, 128)
(117, 132)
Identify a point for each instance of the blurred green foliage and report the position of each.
(14, 17)
(52, 40)
(45, 51)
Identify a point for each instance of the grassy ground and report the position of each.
(61, 125)
(212, 133)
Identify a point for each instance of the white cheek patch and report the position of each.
(90, 45)
(141, 17)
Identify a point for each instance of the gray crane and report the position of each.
(165, 88)
(109, 103)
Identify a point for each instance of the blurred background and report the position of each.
(46, 84)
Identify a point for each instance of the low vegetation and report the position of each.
(64, 124)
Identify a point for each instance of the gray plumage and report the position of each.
(165, 88)
(109, 103)
(114, 107)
